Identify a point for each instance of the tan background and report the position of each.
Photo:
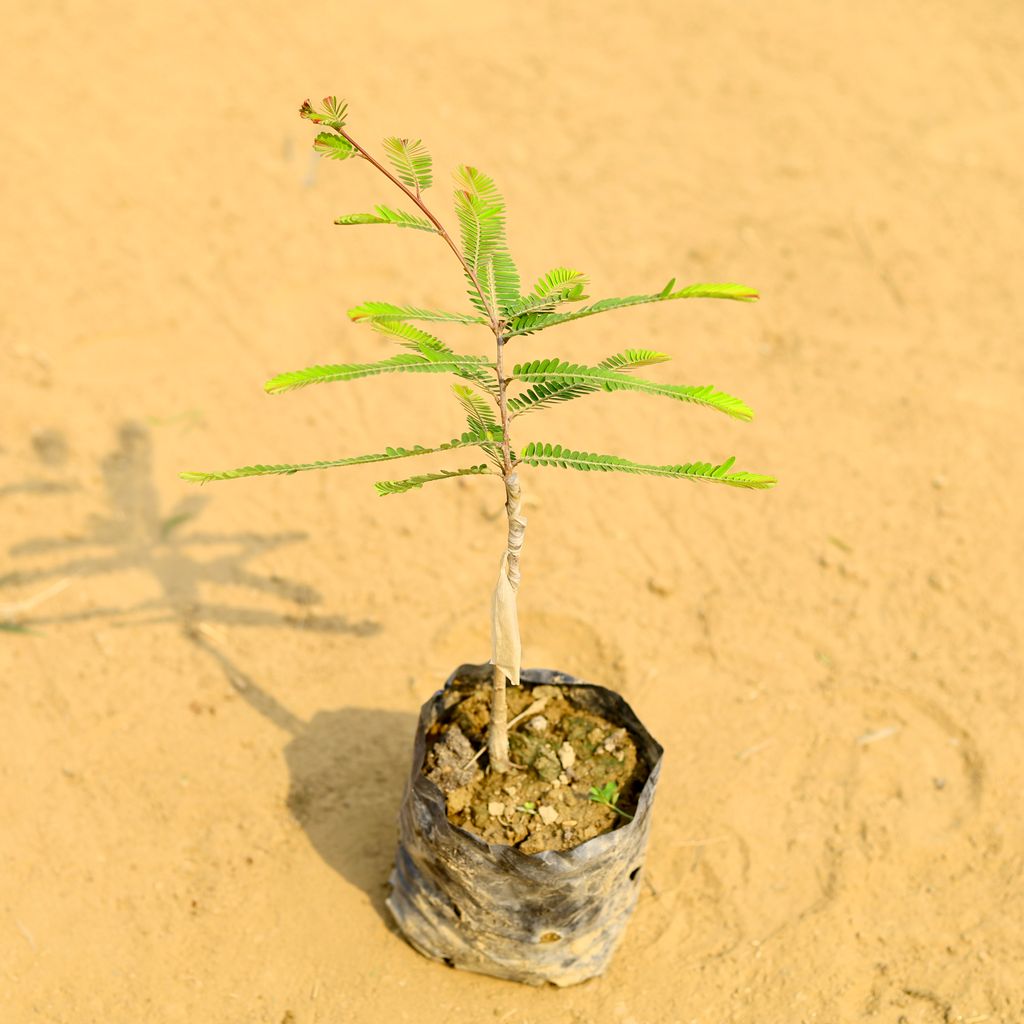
(834, 667)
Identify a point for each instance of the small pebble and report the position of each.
(538, 723)
(458, 800)
(563, 779)
(566, 755)
(548, 815)
(495, 808)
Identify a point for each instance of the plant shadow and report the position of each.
(134, 533)
(347, 771)
(347, 766)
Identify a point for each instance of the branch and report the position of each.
(415, 198)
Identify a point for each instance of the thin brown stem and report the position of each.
(415, 198)
(497, 733)
(497, 730)
(499, 364)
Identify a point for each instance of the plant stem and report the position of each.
(415, 198)
(497, 733)
(497, 730)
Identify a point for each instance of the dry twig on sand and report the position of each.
(11, 614)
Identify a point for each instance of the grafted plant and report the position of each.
(491, 394)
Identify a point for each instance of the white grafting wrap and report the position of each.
(506, 648)
(516, 526)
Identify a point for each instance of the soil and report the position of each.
(560, 753)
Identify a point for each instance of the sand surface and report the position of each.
(205, 732)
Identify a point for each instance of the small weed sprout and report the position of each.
(493, 395)
(608, 794)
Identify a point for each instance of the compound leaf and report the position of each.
(538, 453)
(409, 336)
(556, 286)
(411, 161)
(502, 279)
(564, 376)
(479, 413)
(333, 115)
(389, 311)
(527, 323)
(480, 209)
(336, 147)
(425, 362)
(467, 440)
(632, 358)
(417, 340)
(543, 395)
(385, 487)
(385, 215)
(480, 419)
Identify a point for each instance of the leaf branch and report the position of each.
(414, 198)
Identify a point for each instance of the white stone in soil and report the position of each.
(496, 808)
(566, 755)
(548, 815)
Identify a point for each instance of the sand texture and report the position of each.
(207, 722)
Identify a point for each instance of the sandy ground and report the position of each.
(205, 732)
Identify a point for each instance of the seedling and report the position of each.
(608, 794)
(491, 394)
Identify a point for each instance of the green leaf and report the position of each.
(481, 213)
(389, 311)
(333, 114)
(409, 336)
(527, 323)
(479, 413)
(592, 378)
(385, 487)
(404, 363)
(467, 440)
(559, 285)
(426, 344)
(557, 280)
(480, 419)
(632, 358)
(541, 396)
(608, 794)
(541, 454)
(334, 146)
(500, 281)
(385, 215)
(411, 162)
